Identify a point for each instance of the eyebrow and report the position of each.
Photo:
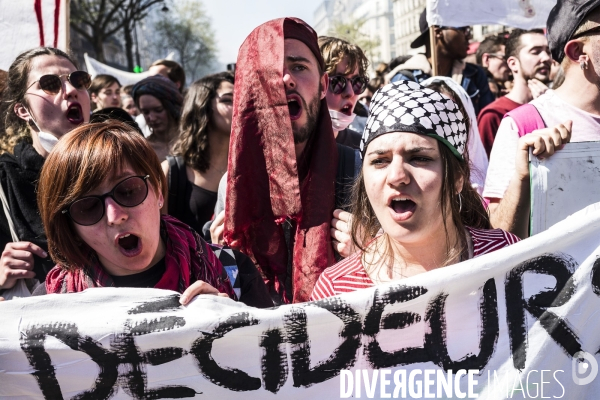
(297, 59)
(410, 151)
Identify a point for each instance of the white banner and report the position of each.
(518, 323)
(524, 14)
(25, 24)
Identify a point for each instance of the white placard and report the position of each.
(564, 183)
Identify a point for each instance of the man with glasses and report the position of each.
(346, 65)
(451, 47)
(571, 113)
(491, 56)
(529, 59)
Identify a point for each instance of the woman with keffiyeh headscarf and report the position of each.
(414, 195)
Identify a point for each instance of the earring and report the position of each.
(583, 64)
(459, 202)
(159, 205)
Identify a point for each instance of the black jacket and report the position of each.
(19, 174)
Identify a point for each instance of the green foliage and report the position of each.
(353, 32)
(187, 30)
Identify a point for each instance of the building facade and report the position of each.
(394, 24)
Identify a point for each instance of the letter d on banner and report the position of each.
(346, 384)
(579, 368)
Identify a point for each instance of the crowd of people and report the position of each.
(297, 178)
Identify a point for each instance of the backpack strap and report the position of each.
(527, 118)
(346, 173)
(177, 181)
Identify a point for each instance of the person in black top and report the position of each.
(200, 152)
(46, 97)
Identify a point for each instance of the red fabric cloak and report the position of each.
(265, 186)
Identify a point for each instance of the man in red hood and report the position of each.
(284, 165)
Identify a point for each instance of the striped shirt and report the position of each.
(349, 275)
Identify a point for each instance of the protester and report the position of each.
(100, 196)
(492, 57)
(450, 48)
(413, 194)
(282, 184)
(160, 103)
(346, 65)
(171, 70)
(127, 102)
(45, 97)
(200, 152)
(571, 113)
(478, 160)
(529, 59)
(105, 92)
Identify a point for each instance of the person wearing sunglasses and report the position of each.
(45, 98)
(491, 56)
(200, 152)
(346, 65)
(100, 198)
(451, 46)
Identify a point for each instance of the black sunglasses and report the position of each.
(88, 210)
(52, 84)
(466, 30)
(337, 84)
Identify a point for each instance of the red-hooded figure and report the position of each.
(268, 185)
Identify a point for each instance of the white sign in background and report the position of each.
(524, 14)
(25, 24)
(521, 316)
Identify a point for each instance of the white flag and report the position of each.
(25, 24)
(524, 14)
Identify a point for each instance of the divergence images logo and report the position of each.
(584, 368)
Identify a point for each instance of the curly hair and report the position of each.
(334, 50)
(192, 143)
(15, 128)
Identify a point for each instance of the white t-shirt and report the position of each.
(554, 111)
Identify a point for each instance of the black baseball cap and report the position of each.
(424, 27)
(563, 21)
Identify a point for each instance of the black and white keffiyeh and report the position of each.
(406, 106)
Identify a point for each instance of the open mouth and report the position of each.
(75, 114)
(347, 109)
(130, 245)
(403, 207)
(294, 107)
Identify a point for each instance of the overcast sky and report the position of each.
(233, 20)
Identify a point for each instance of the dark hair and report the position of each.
(80, 162)
(398, 61)
(175, 73)
(489, 45)
(126, 90)
(468, 211)
(334, 50)
(100, 82)
(15, 128)
(513, 42)
(192, 143)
